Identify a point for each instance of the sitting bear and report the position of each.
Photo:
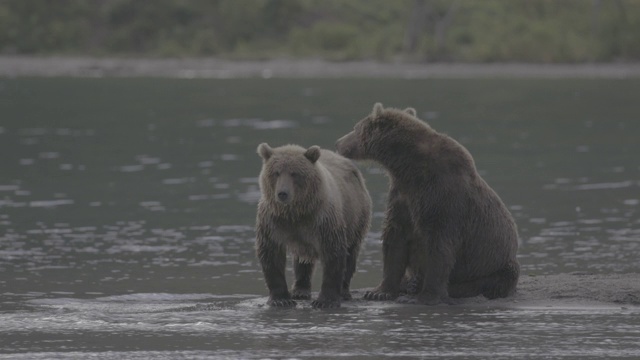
(315, 204)
(445, 228)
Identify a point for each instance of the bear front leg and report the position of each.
(394, 264)
(302, 271)
(273, 257)
(411, 283)
(396, 234)
(332, 278)
(440, 260)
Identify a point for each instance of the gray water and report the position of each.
(127, 209)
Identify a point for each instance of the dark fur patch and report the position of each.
(443, 222)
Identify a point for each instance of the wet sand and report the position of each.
(28, 66)
(580, 287)
(576, 290)
(563, 290)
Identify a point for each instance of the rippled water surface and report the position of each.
(127, 210)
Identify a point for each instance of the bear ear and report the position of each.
(411, 111)
(312, 153)
(377, 109)
(265, 151)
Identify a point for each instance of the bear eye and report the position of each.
(276, 173)
(294, 175)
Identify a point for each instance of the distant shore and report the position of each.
(211, 68)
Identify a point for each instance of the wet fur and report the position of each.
(446, 232)
(326, 219)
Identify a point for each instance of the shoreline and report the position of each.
(213, 68)
(577, 290)
(559, 291)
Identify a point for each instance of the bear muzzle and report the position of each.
(284, 189)
(347, 146)
(283, 196)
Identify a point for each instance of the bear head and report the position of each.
(289, 176)
(382, 134)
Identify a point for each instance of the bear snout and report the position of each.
(284, 189)
(347, 146)
(283, 196)
(340, 146)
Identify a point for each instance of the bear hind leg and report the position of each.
(503, 282)
(500, 284)
(350, 269)
(411, 284)
(468, 288)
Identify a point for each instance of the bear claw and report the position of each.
(424, 300)
(281, 303)
(407, 300)
(301, 294)
(318, 304)
(379, 296)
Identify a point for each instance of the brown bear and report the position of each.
(315, 204)
(445, 228)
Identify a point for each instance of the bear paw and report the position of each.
(346, 295)
(379, 296)
(325, 304)
(407, 299)
(301, 294)
(413, 286)
(422, 300)
(281, 303)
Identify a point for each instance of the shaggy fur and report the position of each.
(445, 228)
(315, 204)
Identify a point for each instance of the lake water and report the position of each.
(127, 209)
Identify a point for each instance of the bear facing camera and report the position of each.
(446, 233)
(314, 205)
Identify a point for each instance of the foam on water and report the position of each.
(250, 329)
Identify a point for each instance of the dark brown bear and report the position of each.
(315, 204)
(445, 228)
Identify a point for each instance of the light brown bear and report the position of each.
(445, 228)
(315, 204)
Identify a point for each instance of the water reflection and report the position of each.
(214, 177)
(130, 227)
(244, 328)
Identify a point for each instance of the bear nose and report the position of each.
(282, 195)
